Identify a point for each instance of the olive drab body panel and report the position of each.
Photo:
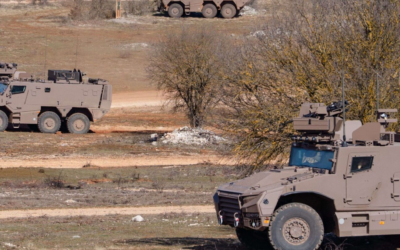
(354, 189)
(62, 95)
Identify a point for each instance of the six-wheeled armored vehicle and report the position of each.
(63, 99)
(209, 9)
(349, 187)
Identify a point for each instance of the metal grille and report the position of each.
(229, 205)
(105, 93)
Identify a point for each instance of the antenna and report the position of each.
(344, 109)
(45, 58)
(377, 92)
(76, 51)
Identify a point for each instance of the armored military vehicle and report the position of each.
(64, 98)
(209, 9)
(346, 186)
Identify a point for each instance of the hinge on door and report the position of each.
(395, 195)
(394, 179)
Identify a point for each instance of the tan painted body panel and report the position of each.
(96, 98)
(359, 193)
(197, 5)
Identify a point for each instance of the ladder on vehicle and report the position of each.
(16, 120)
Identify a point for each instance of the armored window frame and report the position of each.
(47, 90)
(18, 89)
(361, 163)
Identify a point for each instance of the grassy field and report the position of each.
(27, 188)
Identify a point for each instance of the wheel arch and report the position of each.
(84, 111)
(229, 2)
(52, 109)
(322, 204)
(5, 110)
(178, 2)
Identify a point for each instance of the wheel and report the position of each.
(49, 122)
(296, 226)
(3, 121)
(228, 10)
(175, 10)
(253, 239)
(78, 123)
(209, 10)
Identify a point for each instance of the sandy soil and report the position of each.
(105, 211)
(138, 99)
(78, 162)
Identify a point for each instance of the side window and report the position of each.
(17, 89)
(361, 163)
(47, 90)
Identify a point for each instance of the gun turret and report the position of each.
(7, 70)
(320, 123)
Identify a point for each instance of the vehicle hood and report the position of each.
(268, 180)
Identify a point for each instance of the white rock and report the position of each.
(70, 201)
(7, 244)
(76, 237)
(189, 136)
(137, 218)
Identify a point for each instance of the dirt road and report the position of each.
(104, 211)
(138, 99)
(78, 162)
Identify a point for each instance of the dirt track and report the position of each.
(78, 162)
(104, 211)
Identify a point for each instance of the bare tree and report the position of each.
(299, 56)
(186, 66)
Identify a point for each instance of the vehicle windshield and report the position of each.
(3, 88)
(304, 157)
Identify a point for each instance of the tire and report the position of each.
(306, 233)
(78, 123)
(252, 239)
(175, 10)
(49, 122)
(228, 10)
(209, 10)
(3, 121)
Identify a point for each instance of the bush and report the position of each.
(139, 7)
(96, 9)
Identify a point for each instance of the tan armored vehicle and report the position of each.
(209, 9)
(63, 99)
(349, 189)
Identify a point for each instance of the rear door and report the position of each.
(362, 178)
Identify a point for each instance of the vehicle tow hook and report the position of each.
(236, 218)
(221, 218)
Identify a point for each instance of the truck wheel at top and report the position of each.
(228, 10)
(78, 123)
(296, 226)
(3, 121)
(253, 239)
(209, 10)
(175, 10)
(49, 122)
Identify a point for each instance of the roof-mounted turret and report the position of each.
(320, 123)
(7, 70)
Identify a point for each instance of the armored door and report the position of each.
(362, 178)
(16, 97)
